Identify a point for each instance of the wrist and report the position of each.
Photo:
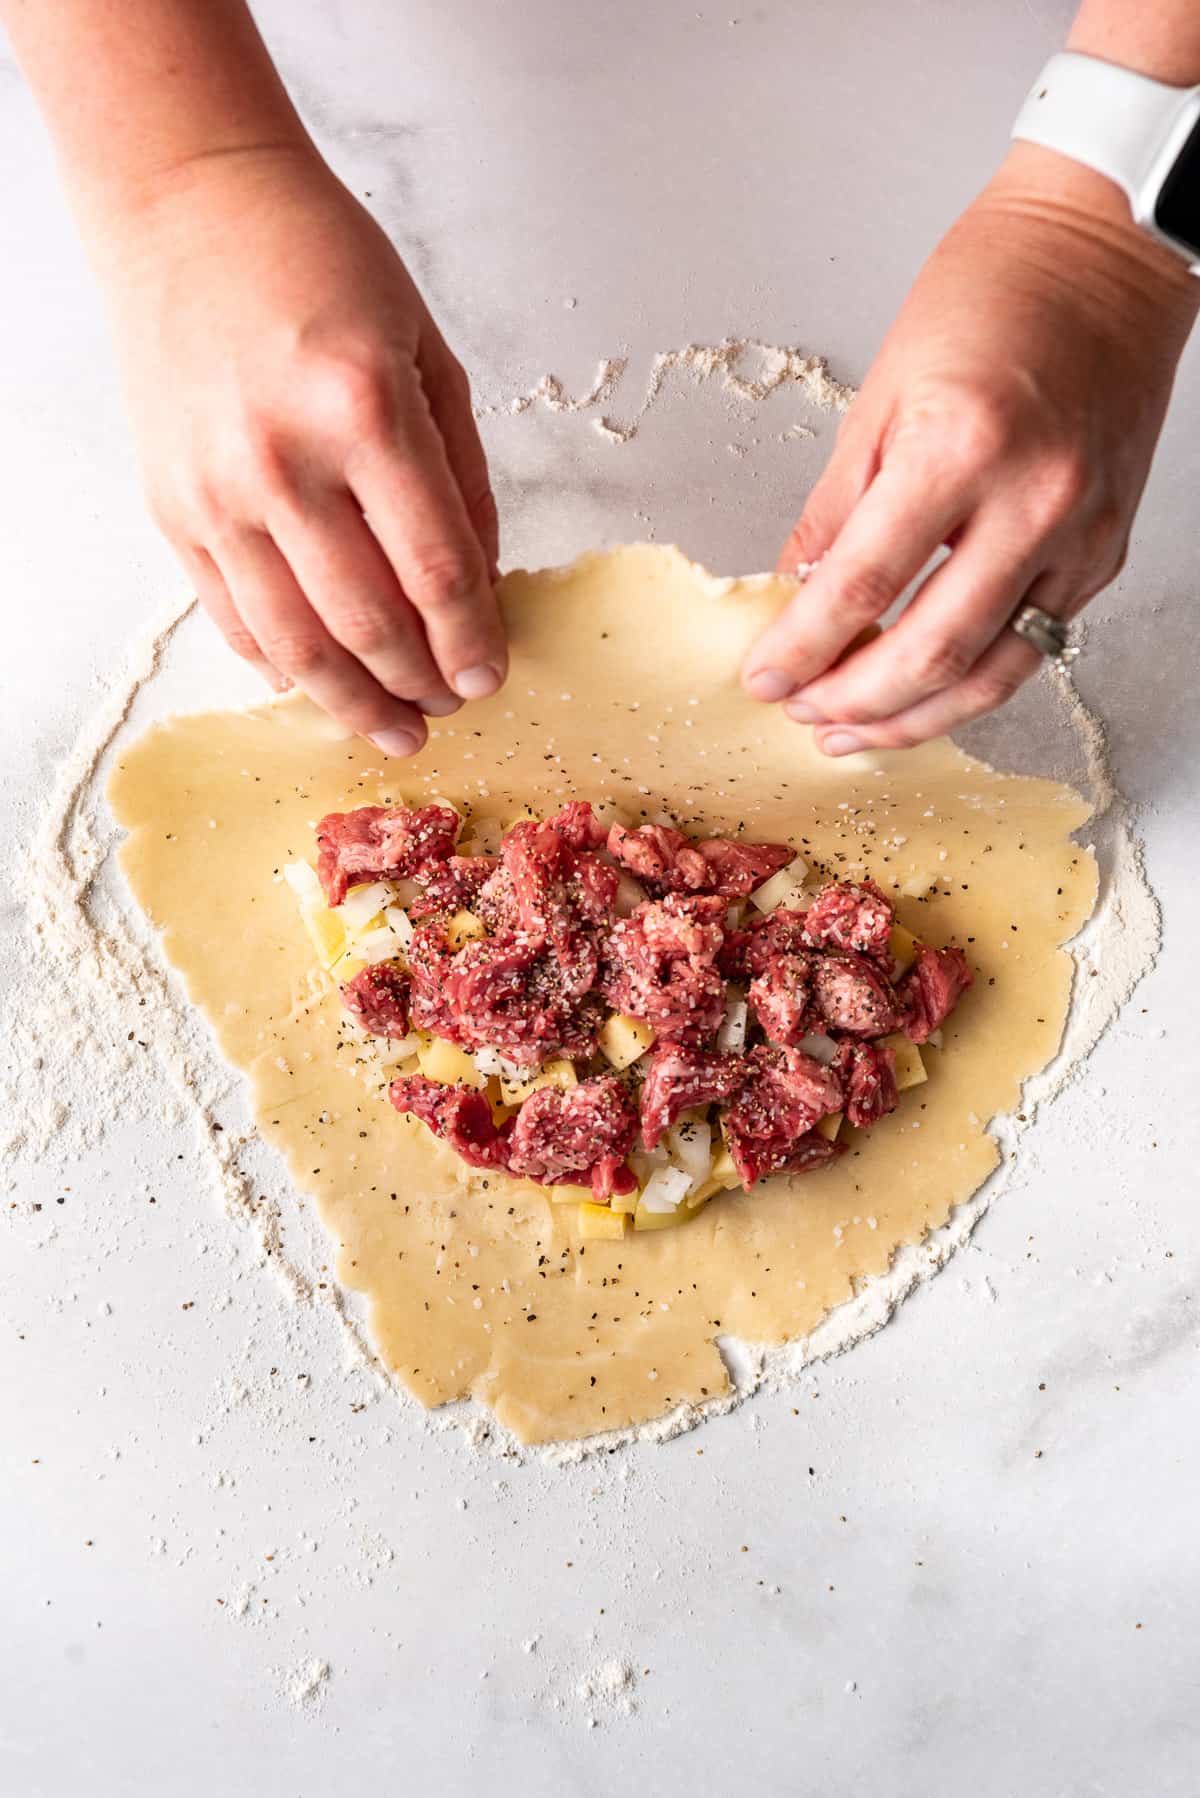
(1079, 224)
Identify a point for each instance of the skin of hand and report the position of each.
(1011, 415)
(308, 440)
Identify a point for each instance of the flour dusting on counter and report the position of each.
(102, 1030)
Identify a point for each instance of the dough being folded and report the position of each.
(623, 687)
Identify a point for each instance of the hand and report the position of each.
(308, 441)
(1011, 414)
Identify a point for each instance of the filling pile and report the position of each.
(632, 1017)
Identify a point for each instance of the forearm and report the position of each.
(137, 91)
(1160, 38)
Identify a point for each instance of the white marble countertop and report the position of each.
(970, 1549)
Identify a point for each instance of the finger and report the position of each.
(1003, 668)
(449, 393)
(412, 501)
(294, 640)
(350, 585)
(904, 516)
(828, 505)
(214, 596)
(960, 609)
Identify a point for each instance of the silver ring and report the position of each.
(1047, 634)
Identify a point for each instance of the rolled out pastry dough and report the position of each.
(623, 686)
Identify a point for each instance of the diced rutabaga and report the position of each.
(624, 1040)
(690, 1147)
(630, 894)
(304, 883)
(327, 931)
(821, 1048)
(731, 1037)
(665, 1188)
(377, 945)
(400, 925)
(599, 1220)
(555, 1073)
(449, 1065)
(903, 947)
(829, 1125)
(910, 1069)
(363, 903)
(464, 927)
(783, 888)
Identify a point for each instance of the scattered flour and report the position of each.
(95, 1012)
(729, 361)
(304, 1686)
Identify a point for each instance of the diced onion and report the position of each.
(377, 945)
(935, 1038)
(783, 888)
(304, 883)
(690, 1143)
(489, 1061)
(400, 925)
(609, 813)
(362, 903)
(630, 894)
(665, 1188)
(821, 1048)
(646, 1162)
(731, 1037)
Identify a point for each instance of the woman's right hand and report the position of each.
(308, 441)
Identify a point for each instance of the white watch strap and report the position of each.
(1112, 119)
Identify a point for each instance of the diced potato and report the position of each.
(625, 1201)
(624, 1040)
(829, 1125)
(363, 905)
(327, 931)
(598, 1220)
(463, 927)
(904, 946)
(448, 1064)
(566, 1195)
(783, 888)
(722, 1169)
(501, 1112)
(910, 1069)
(660, 1220)
(347, 966)
(555, 1073)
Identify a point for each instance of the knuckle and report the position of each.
(362, 630)
(988, 691)
(298, 653)
(352, 397)
(939, 663)
(1061, 488)
(864, 590)
(443, 584)
(242, 642)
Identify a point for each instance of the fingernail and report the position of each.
(769, 684)
(801, 712)
(841, 742)
(476, 683)
(397, 742)
(440, 706)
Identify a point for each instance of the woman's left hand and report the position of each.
(1011, 415)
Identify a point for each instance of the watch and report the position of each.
(1142, 134)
